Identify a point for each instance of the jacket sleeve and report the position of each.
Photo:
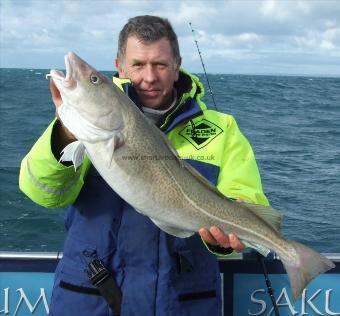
(239, 176)
(46, 181)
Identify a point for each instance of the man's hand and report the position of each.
(56, 97)
(65, 137)
(216, 237)
(61, 136)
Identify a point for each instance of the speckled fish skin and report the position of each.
(136, 160)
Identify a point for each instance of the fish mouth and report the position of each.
(59, 78)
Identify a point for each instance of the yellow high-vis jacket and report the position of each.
(159, 274)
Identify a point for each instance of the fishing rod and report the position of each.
(259, 256)
(205, 73)
(268, 284)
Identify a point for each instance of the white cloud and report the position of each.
(316, 40)
(193, 12)
(283, 11)
(254, 31)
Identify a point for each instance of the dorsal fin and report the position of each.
(267, 213)
(191, 169)
(202, 179)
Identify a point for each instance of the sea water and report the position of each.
(292, 123)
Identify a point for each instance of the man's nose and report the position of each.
(150, 74)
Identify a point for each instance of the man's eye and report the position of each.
(161, 66)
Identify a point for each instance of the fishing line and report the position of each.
(205, 73)
(259, 256)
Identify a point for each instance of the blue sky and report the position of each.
(253, 37)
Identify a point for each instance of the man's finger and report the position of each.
(235, 243)
(207, 237)
(221, 238)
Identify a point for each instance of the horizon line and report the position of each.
(213, 73)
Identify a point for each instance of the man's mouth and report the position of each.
(149, 93)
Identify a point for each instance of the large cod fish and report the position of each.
(115, 134)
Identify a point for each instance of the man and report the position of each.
(158, 274)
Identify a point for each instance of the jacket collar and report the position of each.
(189, 93)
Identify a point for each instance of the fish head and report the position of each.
(89, 98)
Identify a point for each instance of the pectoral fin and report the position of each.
(74, 152)
(113, 144)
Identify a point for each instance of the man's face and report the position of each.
(152, 69)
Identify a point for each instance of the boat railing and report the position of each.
(58, 255)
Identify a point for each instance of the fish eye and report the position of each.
(95, 79)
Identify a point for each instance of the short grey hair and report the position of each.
(148, 29)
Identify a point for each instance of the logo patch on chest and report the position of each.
(201, 133)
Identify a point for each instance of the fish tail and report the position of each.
(309, 265)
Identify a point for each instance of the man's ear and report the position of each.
(119, 67)
(178, 66)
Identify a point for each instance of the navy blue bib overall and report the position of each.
(158, 274)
